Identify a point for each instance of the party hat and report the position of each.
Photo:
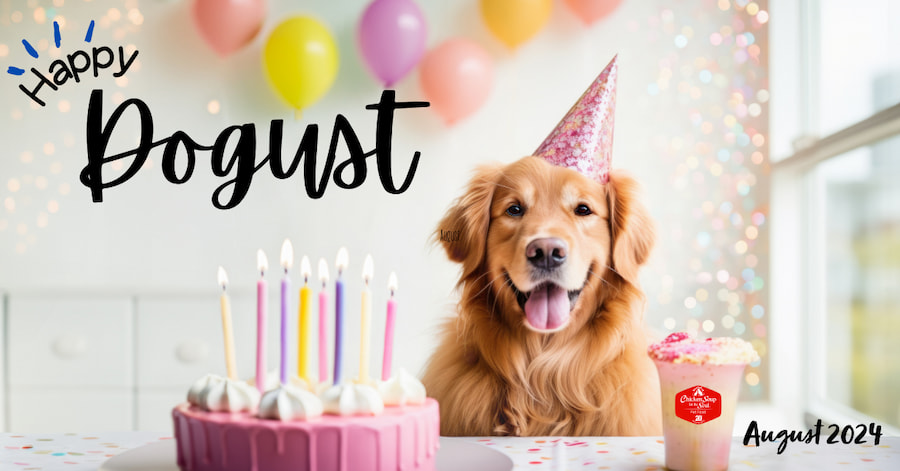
(583, 139)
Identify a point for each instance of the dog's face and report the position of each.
(547, 240)
(548, 236)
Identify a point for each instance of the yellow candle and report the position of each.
(304, 322)
(365, 322)
(226, 327)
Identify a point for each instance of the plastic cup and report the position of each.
(698, 402)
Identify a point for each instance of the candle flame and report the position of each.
(323, 271)
(287, 255)
(223, 278)
(392, 283)
(342, 260)
(262, 263)
(368, 269)
(305, 270)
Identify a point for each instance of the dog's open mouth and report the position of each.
(547, 307)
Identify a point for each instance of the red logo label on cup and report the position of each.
(698, 404)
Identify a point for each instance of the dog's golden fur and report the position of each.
(492, 373)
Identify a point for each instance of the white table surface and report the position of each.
(82, 452)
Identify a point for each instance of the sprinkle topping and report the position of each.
(681, 348)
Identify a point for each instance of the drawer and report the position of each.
(70, 341)
(154, 409)
(72, 410)
(180, 339)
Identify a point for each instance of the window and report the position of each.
(836, 209)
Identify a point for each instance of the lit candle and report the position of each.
(261, 294)
(303, 324)
(226, 327)
(389, 329)
(323, 318)
(365, 322)
(287, 260)
(341, 264)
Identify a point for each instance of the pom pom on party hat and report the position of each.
(583, 139)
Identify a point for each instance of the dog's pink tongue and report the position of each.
(548, 307)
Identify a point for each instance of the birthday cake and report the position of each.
(225, 425)
(289, 423)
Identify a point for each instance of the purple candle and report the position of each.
(341, 264)
(287, 260)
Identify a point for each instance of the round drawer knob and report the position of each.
(70, 345)
(192, 351)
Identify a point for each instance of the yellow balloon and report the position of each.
(301, 60)
(515, 21)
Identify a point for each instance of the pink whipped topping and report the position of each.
(681, 348)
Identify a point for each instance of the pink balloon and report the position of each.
(592, 10)
(456, 77)
(391, 38)
(228, 25)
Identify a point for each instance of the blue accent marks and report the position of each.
(29, 48)
(15, 71)
(56, 36)
(90, 32)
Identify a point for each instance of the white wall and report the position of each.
(150, 236)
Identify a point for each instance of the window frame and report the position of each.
(797, 229)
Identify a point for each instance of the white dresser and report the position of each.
(106, 363)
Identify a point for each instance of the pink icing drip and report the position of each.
(399, 449)
(342, 450)
(224, 446)
(208, 456)
(254, 453)
(312, 455)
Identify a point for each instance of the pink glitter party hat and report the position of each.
(583, 139)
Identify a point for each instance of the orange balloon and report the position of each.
(515, 21)
(592, 10)
(456, 78)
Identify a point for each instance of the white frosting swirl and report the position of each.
(402, 389)
(289, 403)
(217, 394)
(352, 399)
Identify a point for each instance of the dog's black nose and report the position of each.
(547, 253)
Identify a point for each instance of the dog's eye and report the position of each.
(582, 210)
(515, 210)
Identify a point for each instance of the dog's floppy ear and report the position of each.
(463, 230)
(632, 230)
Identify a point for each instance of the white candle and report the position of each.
(227, 330)
(365, 321)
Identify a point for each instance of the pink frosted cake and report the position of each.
(225, 425)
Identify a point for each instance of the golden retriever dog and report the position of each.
(548, 339)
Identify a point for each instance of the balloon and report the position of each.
(391, 38)
(592, 10)
(301, 60)
(515, 21)
(228, 25)
(456, 77)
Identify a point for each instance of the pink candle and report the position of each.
(287, 260)
(389, 329)
(261, 294)
(323, 319)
